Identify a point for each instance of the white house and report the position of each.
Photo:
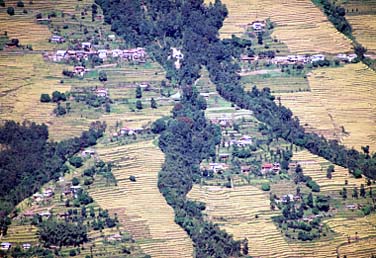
(117, 52)
(258, 25)
(86, 45)
(316, 58)
(102, 54)
(26, 246)
(5, 246)
(111, 37)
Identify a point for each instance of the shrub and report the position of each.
(265, 187)
(10, 10)
(76, 161)
(20, 4)
(45, 98)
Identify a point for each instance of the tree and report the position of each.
(102, 76)
(20, 4)
(362, 191)
(45, 98)
(76, 161)
(10, 10)
(153, 103)
(265, 187)
(58, 96)
(310, 200)
(75, 181)
(60, 110)
(360, 51)
(2, 3)
(344, 193)
(355, 193)
(138, 92)
(329, 171)
(139, 104)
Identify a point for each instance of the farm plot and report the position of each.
(276, 81)
(315, 167)
(140, 206)
(299, 24)
(346, 94)
(27, 77)
(364, 30)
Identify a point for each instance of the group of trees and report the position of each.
(52, 232)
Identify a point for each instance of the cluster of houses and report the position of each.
(126, 131)
(46, 194)
(87, 50)
(5, 246)
(270, 168)
(297, 59)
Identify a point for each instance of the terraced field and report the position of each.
(140, 206)
(339, 97)
(235, 210)
(299, 24)
(315, 167)
(364, 30)
(362, 16)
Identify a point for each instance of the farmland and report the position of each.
(339, 97)
(299, 24)
(140, 207)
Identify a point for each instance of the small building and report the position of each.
(292, 165)
(248, 59)
(26, 246)
(102, 54)
(244, 141)
(144, 85)
(352, 206)
(102, 92)
(46, 214)
(176, 96)
(75, 188)
(79, 70)
(316, 58)
(87, 153)
(117, 52)
(258, 26)
(224, 156)
(5, 246)
(28, 214)
(116, 237)
(86, 45)
(57, 39)
(48, 192)
(276, 167)
(287, 197)
(245, 169)
(111, 37)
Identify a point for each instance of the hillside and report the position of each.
(200, 129)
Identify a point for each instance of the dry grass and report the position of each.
(339, 97)
(140, 206)
(300, 24)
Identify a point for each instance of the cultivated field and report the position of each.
(364, 30)
(140, 206)
(339, 97)
(299, 24)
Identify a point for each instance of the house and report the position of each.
(57, 39)
(245, 169)
(111, 37)
(223, 156)
(244, 140)
(101, 92)
(248, 59)
(75, 188)
(86, 153)
(116, 237)
(276, 167)
(258, 26)
(316, 58)
(176, 96)
(144, 85)
(287, 197)
(117, 52)
(217, 167)
(102, 54)
(46, 214)
(86, 45)
(26, 246)
(352, 206)
(292, 165)
(28, 214)
(5, 246)
(281, 60)
(48, 192)
(80, 70)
